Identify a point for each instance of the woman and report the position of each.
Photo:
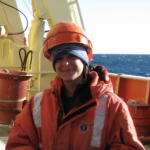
(80, 111)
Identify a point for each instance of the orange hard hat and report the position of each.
(66, 32)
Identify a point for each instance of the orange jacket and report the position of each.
(102, 123)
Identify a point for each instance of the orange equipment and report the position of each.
(66, 32)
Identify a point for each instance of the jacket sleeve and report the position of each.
(121, 133)
(23, 135)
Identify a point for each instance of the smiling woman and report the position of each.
(80, 110)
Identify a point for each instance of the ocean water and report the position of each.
(130, 64)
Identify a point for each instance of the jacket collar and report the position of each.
(97, 87)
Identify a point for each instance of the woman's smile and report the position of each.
(67, 70)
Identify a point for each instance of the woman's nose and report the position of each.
(66, 62)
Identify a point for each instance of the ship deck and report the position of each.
(4, 134)
(6, 129)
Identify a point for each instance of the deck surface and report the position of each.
(4, 134)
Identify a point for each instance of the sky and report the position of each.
(116, 26)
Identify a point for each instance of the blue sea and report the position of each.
(130, 64)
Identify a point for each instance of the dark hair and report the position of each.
(86, 73)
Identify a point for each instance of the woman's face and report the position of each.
(69, 68)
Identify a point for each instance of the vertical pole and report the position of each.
(36, 40)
